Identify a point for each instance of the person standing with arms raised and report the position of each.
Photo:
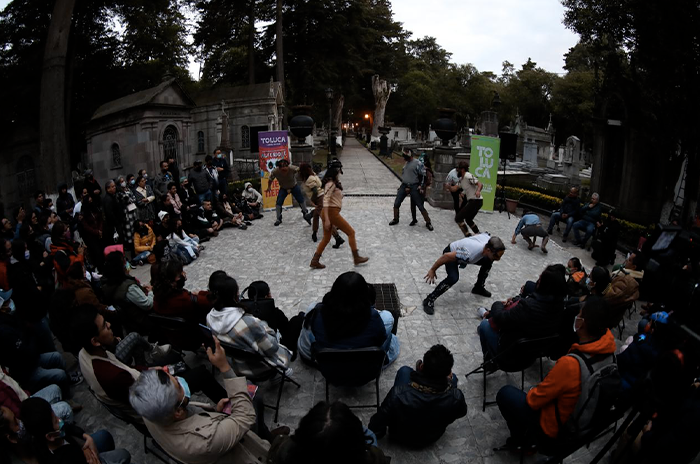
(286, 176)
(332, 203)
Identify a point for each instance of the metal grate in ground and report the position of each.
(387, 299)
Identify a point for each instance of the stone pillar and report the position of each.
(489, 123)
(443, 162)
(302, 154)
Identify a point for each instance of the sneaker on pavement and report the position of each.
(481, 310)
(429, 306)
(481, 291)
(76, 378)
(278, 222)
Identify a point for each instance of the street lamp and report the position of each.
(329, 97)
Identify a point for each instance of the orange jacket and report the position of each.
(563, 384)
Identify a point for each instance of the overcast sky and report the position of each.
(486, 33)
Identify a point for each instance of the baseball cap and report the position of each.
(183, 178)
(162, 214)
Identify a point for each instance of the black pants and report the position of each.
(452, 269)
(468, 212)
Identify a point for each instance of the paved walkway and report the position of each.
(400, 255)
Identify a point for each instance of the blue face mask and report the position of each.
(60, 433)
(185, 387)
(132, 181)
(11, 305)
(26, 254)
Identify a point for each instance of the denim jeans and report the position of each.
(391, 346)
(296, 193)
(416, 197)
(52, 395)
(589, 227)
(204, 196)
(522, 420)
(489, 339)
(50, 370)
(104, 442)
(556, 217)
(143, 256)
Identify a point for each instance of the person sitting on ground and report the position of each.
(422, 402)
(330, 432)
(200, 225)
(346, 320)
(576, 281)
(121, 289)
(253, 198)
(172, 299)
(163, 401)
(111, 365)
(605, 243)
(536, 414)
(589, 218)
(55, 441)
(207, 211)
(144, 241)
(185, 245)
(12, 395)
(288, 329)
(244, 331)
(537, 315)
(530, 227)
(570, 206)
(230, 214)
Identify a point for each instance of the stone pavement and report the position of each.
(400, 255)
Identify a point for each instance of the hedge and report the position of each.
(629, 231)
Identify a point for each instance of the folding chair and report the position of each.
(140, 427)
(257, 360)
(523, 353)
(181, 334)
(351, 368)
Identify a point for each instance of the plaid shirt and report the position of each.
(253, 335)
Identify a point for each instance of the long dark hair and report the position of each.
(162, 288)
(37, 416)
(330, 432)
(114, 271)
(305, 171)
(347, 308)
(332, 176)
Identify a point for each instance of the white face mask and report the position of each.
(575, 319)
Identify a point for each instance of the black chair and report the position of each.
(255, 360)
(181, 334)
(141, 428)
(516, 358)
(351, 368)
(617, 317)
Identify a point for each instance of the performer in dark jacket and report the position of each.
(422, 402)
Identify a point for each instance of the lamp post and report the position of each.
(329, 97)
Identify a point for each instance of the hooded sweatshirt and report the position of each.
(563, 385)
(247, 332)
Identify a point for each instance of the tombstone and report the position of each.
(572, 157)
(530, 153)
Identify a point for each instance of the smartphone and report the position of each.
(207, 337)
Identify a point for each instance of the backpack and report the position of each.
(601, 384)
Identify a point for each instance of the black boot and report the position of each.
(396, 217)
(338, 241)
(429, 302)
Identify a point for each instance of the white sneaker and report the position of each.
(159, 351)
(482, 311)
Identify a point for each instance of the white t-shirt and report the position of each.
(469, 184)
(452, 177)
(470, 249)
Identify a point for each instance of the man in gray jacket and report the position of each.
(412, 178)
(201, 181)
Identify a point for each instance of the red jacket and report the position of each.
(563, 385)
(185, 304)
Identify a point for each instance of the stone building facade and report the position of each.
(140, 130)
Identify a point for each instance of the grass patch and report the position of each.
(395, 162)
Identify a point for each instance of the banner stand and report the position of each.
(483, 164)
(273, 146)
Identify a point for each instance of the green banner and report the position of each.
(483, 163)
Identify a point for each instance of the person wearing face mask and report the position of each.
(576, 278)
(253, 198)
(172, 299)
(51, 440)
(111, 365)
(536, 415)
(163, 401)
